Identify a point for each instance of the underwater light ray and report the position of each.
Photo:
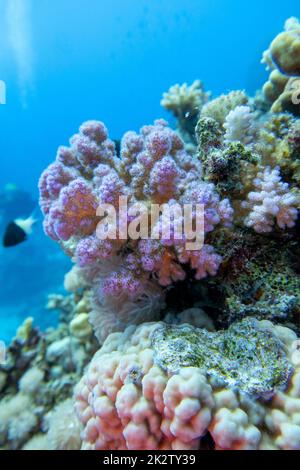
(20, 39)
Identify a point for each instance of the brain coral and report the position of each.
(156, 387)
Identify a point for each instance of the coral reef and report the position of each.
(199, 344)
(285, 48)
(63, 427)
(226, 162)
(37, 381)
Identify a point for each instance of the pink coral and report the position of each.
(90, 250)
(272, 201)
(75, 212)
(205, 261)
(153, 168)
(52, 181)
(215, 210)
(91, 145)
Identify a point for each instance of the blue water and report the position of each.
(67, 61)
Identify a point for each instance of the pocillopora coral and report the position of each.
(272, 201)
(127, 275)
(239, 125)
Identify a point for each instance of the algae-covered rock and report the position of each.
(247, 356)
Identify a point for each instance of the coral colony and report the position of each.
(181, 328)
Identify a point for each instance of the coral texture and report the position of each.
(219, 108)
(285, 49)
(184, 99)
(283, 86)
(272, 201)
(154, 168)
(37, 381)
(185, 103)
(131, 397)
(64, 428)
(239, 125)
(200, 346)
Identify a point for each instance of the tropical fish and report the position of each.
(18, 231)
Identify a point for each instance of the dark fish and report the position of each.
(17, 231)
(14, 235)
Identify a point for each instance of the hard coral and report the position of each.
(185, 102)
(153, 168)
(131, 397)
(219, 108)
(239, 125)
(271, 201)
(64, 428)
(285, 49)
(282, 88)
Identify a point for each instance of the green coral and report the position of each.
(267, 289)
(258, 276)
(223, 167)
(247, 357)
(279, 144)
(209, 135)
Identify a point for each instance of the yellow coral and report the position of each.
(80, 327)
(219, 108)
(273, 88)
(285, 51)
